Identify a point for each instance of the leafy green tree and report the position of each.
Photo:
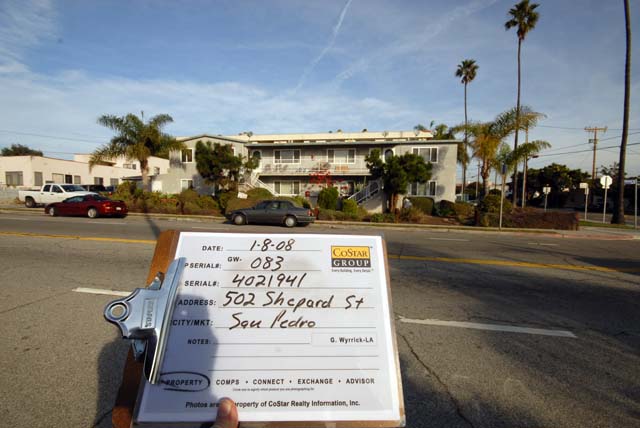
(524, 17)
(467, 71)
(618, 209)
(559, 177)
(136, 139)
(328, 198)
(20, 150)
(218, 165)
(398, 172)
(523, 154)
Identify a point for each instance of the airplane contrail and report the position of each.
(316, 60)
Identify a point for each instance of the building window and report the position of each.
(77, 179)
(287, 187)
(57, 178)
(186, 184)
(113, 181)
(156, 170)
(13, 178)
(286, 156)
(37, 178)
(388, 154)
(98, 180)
(129, 166)
(423, 189)
(187, 156)
(341, 156)
(429, 154)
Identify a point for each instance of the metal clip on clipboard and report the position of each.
(144, 317)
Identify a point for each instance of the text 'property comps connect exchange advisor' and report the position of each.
(291, 327)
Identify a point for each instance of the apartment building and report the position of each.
(302, 164)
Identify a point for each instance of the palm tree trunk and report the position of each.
(144, 170)
(464, 165)
(618, 212)
(515, 142)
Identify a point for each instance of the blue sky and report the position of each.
(223, 67)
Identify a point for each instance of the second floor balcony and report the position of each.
(279, 169)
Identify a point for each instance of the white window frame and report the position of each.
(431, 149)
(429, 184)
(279, 161)
(185, 180)
(277, 186)
(183, 157)
(333, 161)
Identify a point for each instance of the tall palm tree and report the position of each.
(136, 140)
(618, 212)
(467, 71)
(525, 18)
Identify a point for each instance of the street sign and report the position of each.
(546, 190)
(605, 181)
(584, 185)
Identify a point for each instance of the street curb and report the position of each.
(551, 233)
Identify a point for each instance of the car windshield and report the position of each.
(99, 198)
(72, 188)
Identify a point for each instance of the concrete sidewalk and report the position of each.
(590, 232)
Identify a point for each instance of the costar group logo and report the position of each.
(355, 257)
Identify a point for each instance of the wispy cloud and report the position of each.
(329, 45)
(23, 25)
(413, 43)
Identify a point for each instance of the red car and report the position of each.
(92, 205)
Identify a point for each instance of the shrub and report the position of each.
(445, 209)
(377, 218)
(349, 206)
(464, 212)
(491, 204)
(237, 203)
(300, 201)
(412, 215)
(259, 193)
(223, 199)
(423, 204)
(328, 198)
(529, 218)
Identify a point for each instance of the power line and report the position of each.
(52, 137)
(587, 150)
(580, 129)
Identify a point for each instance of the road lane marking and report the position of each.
(545, 245)
(101, 291)
(79, 238)
(488, 262)
(508, 263)
(491, 327)
(449, 239)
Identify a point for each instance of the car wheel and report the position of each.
(239, 219)
(52, 211)
(92, 213)
(290, 221)
(29, 203)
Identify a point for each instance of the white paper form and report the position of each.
(292, 327)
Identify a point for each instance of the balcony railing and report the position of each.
(296, 169)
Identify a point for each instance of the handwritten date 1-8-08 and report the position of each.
(271, 280)
(268, 244)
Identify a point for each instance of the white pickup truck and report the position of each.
(50, 193)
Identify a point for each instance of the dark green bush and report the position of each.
(445, 209)
(328, 198)
(491, 204)
(530, 218)
(224, 198)
(349, 206)
(423, 204)
(377, 218)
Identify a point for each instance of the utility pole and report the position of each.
(595, 130)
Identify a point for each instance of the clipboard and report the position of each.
(129, 397)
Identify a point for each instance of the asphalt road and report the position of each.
(459, 300)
